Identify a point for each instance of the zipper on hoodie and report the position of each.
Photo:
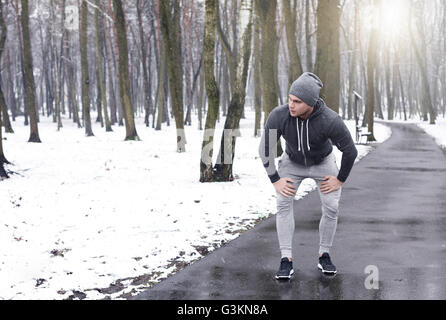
(301, 141)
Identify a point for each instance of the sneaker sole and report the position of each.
(325, 271)
(286, 277)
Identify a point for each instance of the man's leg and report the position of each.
(285, 231)
(285, 214)
(330, 202)
(329, 219)
(285, 224)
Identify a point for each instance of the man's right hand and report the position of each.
(286, 189)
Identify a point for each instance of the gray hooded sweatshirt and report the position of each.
(308, 141)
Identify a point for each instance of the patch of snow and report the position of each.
(437, 131)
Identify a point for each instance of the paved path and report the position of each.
(393, 216)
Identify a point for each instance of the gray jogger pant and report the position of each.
(330, 202)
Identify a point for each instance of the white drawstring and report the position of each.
(302, 133)
(308, 138)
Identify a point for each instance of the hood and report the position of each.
(318, 109)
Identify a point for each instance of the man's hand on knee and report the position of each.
(285, 187)
(330, 184)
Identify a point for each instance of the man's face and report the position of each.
(297, 107)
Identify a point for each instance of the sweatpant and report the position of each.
(330, 202)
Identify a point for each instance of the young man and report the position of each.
(310, 129)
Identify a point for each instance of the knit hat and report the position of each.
(307, 88)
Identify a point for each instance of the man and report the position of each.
(310, 129)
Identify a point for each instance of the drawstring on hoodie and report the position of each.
(298, 135)
(302, 134)
(308, 138)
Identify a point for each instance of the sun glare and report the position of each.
(393, 17)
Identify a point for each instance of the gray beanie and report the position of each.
(307, 88)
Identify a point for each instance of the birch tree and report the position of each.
(206, 170)
(240, 63)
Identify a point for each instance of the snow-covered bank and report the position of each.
(437, 131)
(99, 217)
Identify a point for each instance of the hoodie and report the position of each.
(308, 141)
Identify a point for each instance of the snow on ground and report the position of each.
(437, 131)
(100, 217)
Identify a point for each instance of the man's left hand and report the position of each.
(330, 184)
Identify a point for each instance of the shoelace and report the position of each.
(285, 264)
(326, 259)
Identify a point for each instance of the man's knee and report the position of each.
(330, 206)
(284, 204)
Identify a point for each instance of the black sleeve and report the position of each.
(268, 147)
(342, 139)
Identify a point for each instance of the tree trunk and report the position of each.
(100, 64)
(266, 11)
(371, 62)
(124, 81)
(295, 69)
(327, 65)
(11, 95)
(207, 147)
(307, 35)
(161, 85)
(60, 63)
(148, 105)
(6, 123)
(3, 30)
(257, 81)
(30, 88)
(353, 63)
(421, 57)
(170, 27)
(84, 66)
(225, 159)
(390, 96)
(200, 100)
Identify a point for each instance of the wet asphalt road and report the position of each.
(392, 216)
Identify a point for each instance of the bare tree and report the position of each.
(371, 65)
(239, 60)
(289, 13)
(30, 87)
(206, 170)
(421, 57)
(148, 104)
(84, 66)
(124, 81)
(327, 65)
(100, 62)
(3, 30)
(170, 27)
(266, 10)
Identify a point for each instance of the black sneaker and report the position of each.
(286, 269)
(325, 264)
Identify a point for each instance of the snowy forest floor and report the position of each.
(103, 218)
